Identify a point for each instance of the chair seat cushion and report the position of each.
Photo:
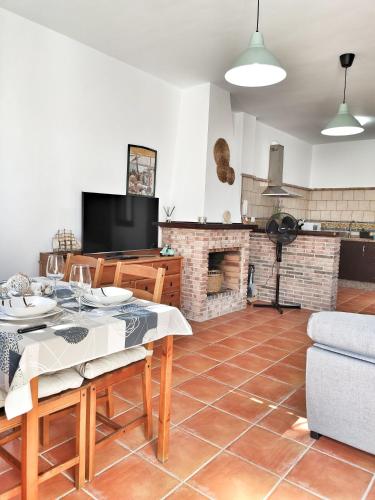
(354, 333)
(105, 364)
(53, 383)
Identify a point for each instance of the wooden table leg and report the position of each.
(165, 398)
(30, 447)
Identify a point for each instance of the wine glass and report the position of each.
(55, 268)
(80, 281)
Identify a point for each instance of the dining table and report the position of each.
(72, 337)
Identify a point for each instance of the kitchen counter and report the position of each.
(322, 234)
(309, 269)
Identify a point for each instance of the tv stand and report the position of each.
(122, 257)
(148, 257)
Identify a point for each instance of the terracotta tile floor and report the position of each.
(238, 422)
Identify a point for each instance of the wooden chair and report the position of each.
(106, 381)
(94, 264)
(14, 428)
(9, 430)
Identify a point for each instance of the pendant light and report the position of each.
(344, 123)
(256, 67)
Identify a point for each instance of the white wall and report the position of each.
(220, 196)
(189, 169)
(297, 155)
(343, 164)
(244, 132)
(67, 113)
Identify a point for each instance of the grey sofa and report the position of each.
(340, 378)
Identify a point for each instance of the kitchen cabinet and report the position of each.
(357, 261)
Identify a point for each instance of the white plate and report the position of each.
(5, 317)
(93, 304)
(27, 307)
(109, 295)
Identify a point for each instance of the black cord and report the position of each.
(346, 69)
(258, 16)
(273, 268)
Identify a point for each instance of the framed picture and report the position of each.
(141, 171)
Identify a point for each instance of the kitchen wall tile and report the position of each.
(325, 215)
(341, 205)
(347, 215)
(326, 195)
(370, 194)
(354, 205)
(372, 205)
(364, 205)
(348, 195)
(358, 216)
(331, 205)
(337, 195)
(369, 216)
(335, 215)
(315, 214)
(316, 195)
(359, 194)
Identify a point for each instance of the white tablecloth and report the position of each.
(75, 339)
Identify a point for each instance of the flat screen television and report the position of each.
(114, 223)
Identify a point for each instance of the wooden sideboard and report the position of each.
(172, 265)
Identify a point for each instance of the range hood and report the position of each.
(275, 174)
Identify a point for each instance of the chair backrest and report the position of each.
(94, 264)
(142, 272)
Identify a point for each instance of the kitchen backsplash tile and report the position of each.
(333, 207)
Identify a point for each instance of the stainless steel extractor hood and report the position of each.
(275, 173)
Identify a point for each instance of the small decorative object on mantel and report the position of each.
(227, 217)
(244, 216)
(64, 240)
(141, 170)
(168, 213)
(167, 251)
(202, 219)
(224, 171)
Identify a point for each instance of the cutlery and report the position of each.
(32, 328)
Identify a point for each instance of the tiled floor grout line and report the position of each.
(368, 489)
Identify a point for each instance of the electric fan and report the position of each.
(282, 229)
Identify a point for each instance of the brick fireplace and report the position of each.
(215, 246)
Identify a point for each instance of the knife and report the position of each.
(32, 328)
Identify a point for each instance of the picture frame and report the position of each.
(141, 173)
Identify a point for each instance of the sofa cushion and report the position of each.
(353, 333)
(105, 364)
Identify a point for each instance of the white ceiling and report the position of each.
(187, 42)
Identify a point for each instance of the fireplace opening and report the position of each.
(223, 271)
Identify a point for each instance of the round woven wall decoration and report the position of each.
(231, 175)
(221, 152)
(224, 171)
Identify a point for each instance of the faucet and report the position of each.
(350, 228)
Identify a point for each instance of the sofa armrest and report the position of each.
(345, 331)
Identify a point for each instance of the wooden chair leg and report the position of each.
(147, 397)
(109, 404)
(80, 469)
(44, 431)
(90, 432)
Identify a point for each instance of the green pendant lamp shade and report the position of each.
(344, 123)
(256, 67)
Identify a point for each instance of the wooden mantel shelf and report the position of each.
(208, 226)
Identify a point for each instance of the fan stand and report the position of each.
(276, 304)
